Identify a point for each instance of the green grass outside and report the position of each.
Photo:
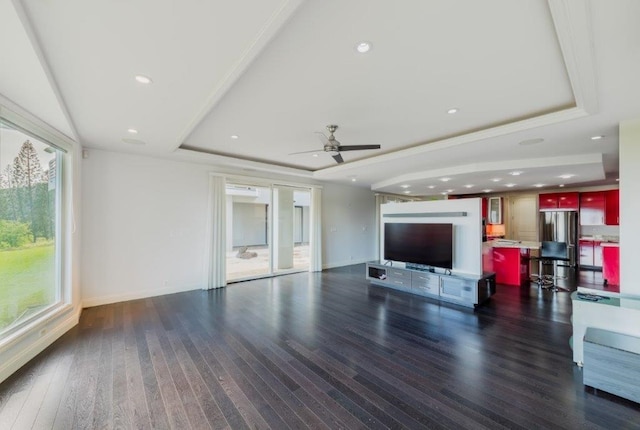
(27, 281)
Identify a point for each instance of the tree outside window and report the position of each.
(28, 198)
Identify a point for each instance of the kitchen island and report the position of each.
(611, 263)
(509, 259)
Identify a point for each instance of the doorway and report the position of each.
(267, 230)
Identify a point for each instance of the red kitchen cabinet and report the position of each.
(568, 201)
(558, 201)
(592, 208)
(611, 265)
(485, 211)
(547, 202)
(612, 207)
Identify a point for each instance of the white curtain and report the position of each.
(380, 199)
(217, 235)
(315, 236)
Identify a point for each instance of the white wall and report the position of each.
(348, 225)
(467, 233)
(143, 226)
(602, 230)
(144, 223)
(629, 207)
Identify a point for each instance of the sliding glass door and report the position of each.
(248, 231)
(267, 230)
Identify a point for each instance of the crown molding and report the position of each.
(572, 21)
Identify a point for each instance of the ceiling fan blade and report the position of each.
(306, 152)
(338, 158)
(358, 147)
(323, 138)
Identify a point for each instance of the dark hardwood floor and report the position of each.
(321, 350)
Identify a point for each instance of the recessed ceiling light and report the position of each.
(407, 192)
(353, 179)
(561, 185)
(566, 176)
(452, 110)
(431, 186)
(496, 179)
(405, 186)
(531, 141)
(509, 185)
(449, 191)
(487, 190)
(143, 79)
(597, 137)
(363, 47)
(516, 173)
(314, 155)
(469, 186)
(132, 130)
(539, 185)
(445, 179)
(444, 193)
(234, 136)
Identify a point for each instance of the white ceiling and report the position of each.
(274, 72)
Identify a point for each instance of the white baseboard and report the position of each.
(34, 342)
(345, 263)
(116, 298)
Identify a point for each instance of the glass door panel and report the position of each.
(267, 230)
(248, 231)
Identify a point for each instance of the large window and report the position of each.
(30, 201)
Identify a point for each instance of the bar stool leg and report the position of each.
(536, 278)
(554, 287)
(547, 280)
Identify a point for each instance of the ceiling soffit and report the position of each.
(570, 32)
(573, 29)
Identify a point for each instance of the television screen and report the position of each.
(425, 244)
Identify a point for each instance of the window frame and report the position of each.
(40, 321)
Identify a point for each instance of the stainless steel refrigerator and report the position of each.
(561, 226)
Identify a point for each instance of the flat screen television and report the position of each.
(424, 244)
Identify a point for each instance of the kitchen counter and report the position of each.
(505, 243)
(603, 239)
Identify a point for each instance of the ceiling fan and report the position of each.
(332, 146)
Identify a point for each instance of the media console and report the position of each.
(465, 290)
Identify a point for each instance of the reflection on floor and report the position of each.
(241, 268)
(571, 278)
